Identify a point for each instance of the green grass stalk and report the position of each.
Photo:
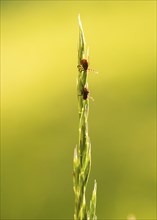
(82, 152)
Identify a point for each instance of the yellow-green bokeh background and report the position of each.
(39, 107)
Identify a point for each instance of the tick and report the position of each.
(83, 65)
(85, 93)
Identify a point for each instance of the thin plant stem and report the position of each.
(82, 152)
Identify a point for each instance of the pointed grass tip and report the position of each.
(81, 28)
(80, 23)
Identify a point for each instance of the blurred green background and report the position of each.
(39, 107)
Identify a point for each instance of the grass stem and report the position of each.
(82, 152)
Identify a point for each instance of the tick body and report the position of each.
(85, 93)
(84, 64)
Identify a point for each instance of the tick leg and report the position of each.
(80, 68)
